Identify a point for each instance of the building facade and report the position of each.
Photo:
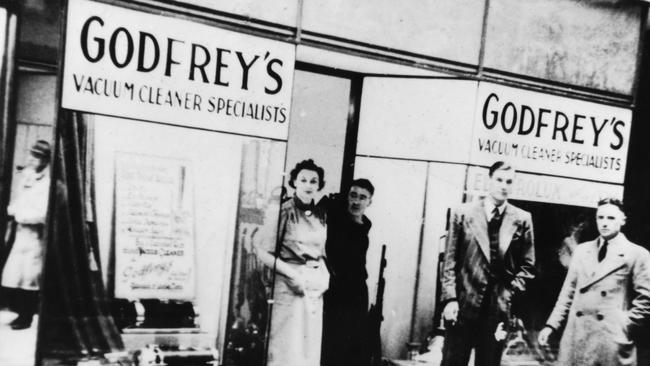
(194, 112)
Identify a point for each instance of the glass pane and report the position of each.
(319, 117)
(396, 214)
(587, 43)
(260, 195)
(444, 191)
(449, 29)
(39, 30)
(35, 114)
(282, 12)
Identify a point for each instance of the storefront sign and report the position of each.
(541, 188)
(154, 228)
(132, 64)
(548, 134)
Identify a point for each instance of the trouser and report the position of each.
(23, 302)
(345, 312)
(477, 334)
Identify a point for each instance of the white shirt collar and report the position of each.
(489, 205)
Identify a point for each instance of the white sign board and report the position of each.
(154, 228)
(541, 188)
(133, 64)
(420, 119)
(548, 134)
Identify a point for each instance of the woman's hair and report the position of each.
(307, 165)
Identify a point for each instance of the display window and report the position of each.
(170, 204)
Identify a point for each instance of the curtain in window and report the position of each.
(75, 320)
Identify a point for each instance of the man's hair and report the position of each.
(612, 201)
(363, 183)
(499, 165)
(42, 150)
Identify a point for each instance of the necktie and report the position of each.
(602, 252)
(493, 233)
(495, 214)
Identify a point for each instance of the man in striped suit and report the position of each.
(489, 258)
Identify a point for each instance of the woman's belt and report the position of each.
(303, 261)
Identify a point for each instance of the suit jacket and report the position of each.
(466, 269)
(603, 303)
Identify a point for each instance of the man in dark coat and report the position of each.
(489, 258)
(346, 301)
(605, 299)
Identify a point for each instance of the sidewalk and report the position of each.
(17, 347)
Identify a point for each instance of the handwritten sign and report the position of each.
(154, 228)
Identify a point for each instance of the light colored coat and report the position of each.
(602, 303)
(29, 209)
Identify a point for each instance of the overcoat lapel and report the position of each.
(478, 224)
(506, 230)
(614, 261)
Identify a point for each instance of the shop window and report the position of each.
(398, 203)
(283, 12)
(170, 204)
(448, 29)
(260, 196)
(592, 44)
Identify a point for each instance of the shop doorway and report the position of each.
(412, 144)
(321, 115)
(558, 230)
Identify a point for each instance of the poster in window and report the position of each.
(154, 228)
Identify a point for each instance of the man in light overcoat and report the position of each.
(605, 298)
(489, 258)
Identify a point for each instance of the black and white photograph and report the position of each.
(324, 183)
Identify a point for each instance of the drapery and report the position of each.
(74, 320)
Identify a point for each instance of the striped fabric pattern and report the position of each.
(466, 270)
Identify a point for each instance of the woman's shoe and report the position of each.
(21, 322)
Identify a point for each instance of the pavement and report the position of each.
(17, 347)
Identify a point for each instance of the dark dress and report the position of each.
(346, 300)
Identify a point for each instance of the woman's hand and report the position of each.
(297, 283)
(323, 279)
